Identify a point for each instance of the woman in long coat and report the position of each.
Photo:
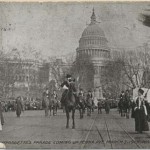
(107, 106)
(45, 102)
(140, 113)
(19, 106)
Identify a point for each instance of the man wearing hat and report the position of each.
(140, 113)
(65, 86)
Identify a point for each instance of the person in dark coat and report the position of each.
(19, 106)
(45, 101)
(127, 103)
(121, 103)
(89, 102)
(54, 98)
(140, 113)
(81, 97)
(1, 114)
(107, 106)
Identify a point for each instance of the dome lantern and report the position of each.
(93, 17)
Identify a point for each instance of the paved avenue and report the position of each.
(34, 130)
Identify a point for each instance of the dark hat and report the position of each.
(68, 76)
(141, 91)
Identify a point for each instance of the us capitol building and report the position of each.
(94, 44)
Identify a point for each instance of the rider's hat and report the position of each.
(68, 76)
(141, 91)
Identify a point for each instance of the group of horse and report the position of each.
(50, 104)
(124, 107)
(72, 101)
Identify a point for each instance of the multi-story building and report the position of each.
(21, 77)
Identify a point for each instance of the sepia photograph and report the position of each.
(75, 75)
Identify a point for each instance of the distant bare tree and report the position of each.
(128, 69)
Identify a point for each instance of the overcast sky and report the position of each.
(55, 28)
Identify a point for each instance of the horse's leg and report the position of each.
(50, 108)
(127, 113)
(73, 122)
(121, 112)
(56, 110)
(53, 108)
(67, 115)
(80, 113)
(87, 111)
(90, 111)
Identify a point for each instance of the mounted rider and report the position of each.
(45, 101)
(81, 94)
(65, 85)
(81, 97)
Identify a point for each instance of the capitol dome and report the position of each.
(93, 44)
(93, 29)
(93, 40)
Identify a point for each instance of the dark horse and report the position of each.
(81, 104)
(70, 104)
(127, 108)
(89, 105)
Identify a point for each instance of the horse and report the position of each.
(127, 108)
(121, 107)
(99, 106)
(70, 104)
(81, 104)
(53, 104)
(89, 105)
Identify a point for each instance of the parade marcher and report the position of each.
(54, 97)
(81, 96)
(89, 102)
(65, 86)
(140, 113)
(19, 106)
(45, 102)
(107, 106)
(127, 103)
(1, 116)
(100, 106)
(121, 103)
(81, 102)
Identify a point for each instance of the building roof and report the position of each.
(93, 37)
(93, 29)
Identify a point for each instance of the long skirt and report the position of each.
(141, 123)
